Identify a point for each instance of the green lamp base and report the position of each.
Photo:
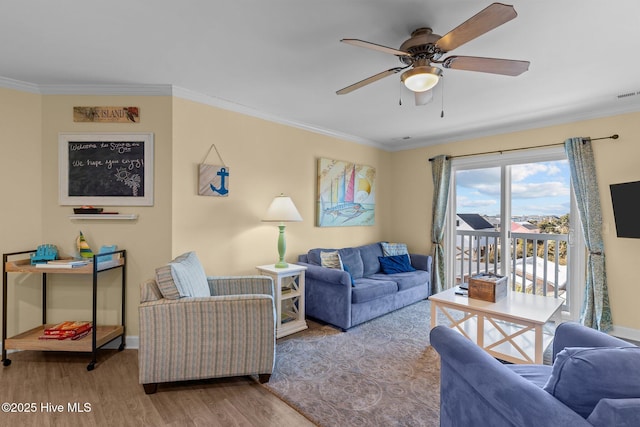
(282, 248)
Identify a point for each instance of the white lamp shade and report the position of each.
(422, 78)
(282, 209)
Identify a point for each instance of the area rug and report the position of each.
(381, 373)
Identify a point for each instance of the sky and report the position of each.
(537, 189)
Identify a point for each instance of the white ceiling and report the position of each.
(282, 60)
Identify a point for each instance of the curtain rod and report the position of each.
(614, 136)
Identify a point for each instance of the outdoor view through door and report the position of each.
(512, 215)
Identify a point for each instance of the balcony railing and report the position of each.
(537, 260)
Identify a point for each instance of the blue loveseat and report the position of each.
(361, 291)
(594, 381)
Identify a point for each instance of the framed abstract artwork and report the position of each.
(346, 194)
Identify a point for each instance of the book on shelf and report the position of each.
(288, 316)
(63, 263)
(67, 329)
(81, 335)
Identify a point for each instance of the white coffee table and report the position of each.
(510, 329)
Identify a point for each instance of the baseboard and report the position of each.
(132, 343)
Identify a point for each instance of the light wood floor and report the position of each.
(115, 398)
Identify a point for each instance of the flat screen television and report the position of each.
(625, 198)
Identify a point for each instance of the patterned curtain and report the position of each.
(441, 171)
(596, 312)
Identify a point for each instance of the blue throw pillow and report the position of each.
(582, 376)
(391, 249)
(395, 264)
(351, 257)
(353, 283)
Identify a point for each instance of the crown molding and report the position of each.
(563, 114)
(224, 104)
(559, 115)
(81, 89)
(170, 90)
(8, 83)
(107, 89)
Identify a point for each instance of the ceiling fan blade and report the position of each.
(507, 67)
(369, 80)
(484, 21)
(378, 47)
(423, 98)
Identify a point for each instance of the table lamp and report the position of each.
(282, 210)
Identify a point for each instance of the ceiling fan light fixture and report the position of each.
(421, 78)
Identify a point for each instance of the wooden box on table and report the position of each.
(488, 287)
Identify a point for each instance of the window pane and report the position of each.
(540, 205)
(477, 222)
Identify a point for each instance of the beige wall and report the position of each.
(35, 217)
(147, 240)
(265, 159)
(21, 176)
(616, 161)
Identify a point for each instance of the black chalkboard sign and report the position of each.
(107, 169)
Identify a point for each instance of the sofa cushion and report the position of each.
(405, 280)
(189, 276)
(391, 249)
(395, 264)
(369, 254)
(313, 256)
(582, 376)
(331, 259)
(536, 374)
(366, 289)
(351, 258)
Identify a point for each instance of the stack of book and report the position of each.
(64, 263)
(67, 330)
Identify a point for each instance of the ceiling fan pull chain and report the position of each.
(442, 99)
(400, 97)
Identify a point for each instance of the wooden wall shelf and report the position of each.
(129, 217)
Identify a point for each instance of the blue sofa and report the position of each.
(348, 298)
(594, 381)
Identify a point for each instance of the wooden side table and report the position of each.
(289, 290)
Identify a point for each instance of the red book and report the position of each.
(68, 328)
(81, 335)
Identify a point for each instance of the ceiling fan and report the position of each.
(425, 48)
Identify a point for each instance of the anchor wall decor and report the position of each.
(213, 179)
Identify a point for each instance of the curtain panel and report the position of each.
(441, 172)
(596, 311)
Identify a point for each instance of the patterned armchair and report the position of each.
(230, 333)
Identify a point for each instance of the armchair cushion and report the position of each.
(582, 376)
(616, 412)
(536, 374)
(189, 276)
(167, 286)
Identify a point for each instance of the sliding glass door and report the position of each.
(513, 214)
